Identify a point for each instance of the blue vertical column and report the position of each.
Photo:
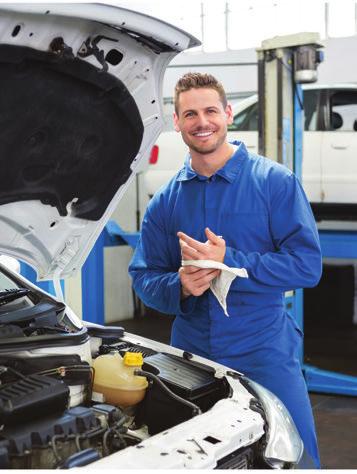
(93, 283)
(298, 157)
(298, 314)
(298, 130)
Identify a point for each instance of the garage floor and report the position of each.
(330, 349)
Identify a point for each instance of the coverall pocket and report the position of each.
(251, 302)
(295, 325)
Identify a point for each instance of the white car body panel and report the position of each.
(312, 165)
(185, 447)
(339, 166)
(111, 15)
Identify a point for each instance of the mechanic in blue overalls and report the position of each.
(231, 206)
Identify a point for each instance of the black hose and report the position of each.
(196, 410)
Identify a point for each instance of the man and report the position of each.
(243, 210)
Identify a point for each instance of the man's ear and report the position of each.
(229, 114)
(176, 122)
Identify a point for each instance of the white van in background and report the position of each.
(329, 148)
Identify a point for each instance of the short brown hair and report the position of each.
(196, 80)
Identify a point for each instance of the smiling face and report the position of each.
(202, 120)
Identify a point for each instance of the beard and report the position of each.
(204, 148)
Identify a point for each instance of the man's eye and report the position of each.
(212, 111)
(189, 114)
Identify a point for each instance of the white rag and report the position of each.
(221, 284)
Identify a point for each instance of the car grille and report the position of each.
(240, 459)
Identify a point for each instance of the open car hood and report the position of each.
(80, 102)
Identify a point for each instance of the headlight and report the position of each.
(284, 444)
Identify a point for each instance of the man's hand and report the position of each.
(213, 249)
(195, 281)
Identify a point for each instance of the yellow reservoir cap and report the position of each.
(133, 359)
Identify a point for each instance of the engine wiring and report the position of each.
(196, 410)
(117, 431)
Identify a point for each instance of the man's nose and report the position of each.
(202, 119)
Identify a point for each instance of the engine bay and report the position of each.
(44, 427)
(75, 393)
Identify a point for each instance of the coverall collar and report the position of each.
(229, 171)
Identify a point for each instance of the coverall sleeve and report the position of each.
(296, 260)
(155, 276)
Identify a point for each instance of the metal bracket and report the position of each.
(90, 48)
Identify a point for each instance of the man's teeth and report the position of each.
(203, 134)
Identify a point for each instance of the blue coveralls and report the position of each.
(261, 210)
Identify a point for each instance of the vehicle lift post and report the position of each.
(283, 64)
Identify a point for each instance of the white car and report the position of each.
(329, 168)
(80, 107)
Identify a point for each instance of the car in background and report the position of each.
(80, 108)
(329, 167)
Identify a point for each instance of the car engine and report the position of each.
(41, 428)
